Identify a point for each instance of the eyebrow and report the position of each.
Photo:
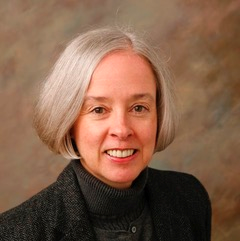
(95, 99)
(146, 96)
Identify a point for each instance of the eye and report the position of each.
(98, 110)
(139, 108)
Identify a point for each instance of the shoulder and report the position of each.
(182, 199)
(170, 181)
(179, 188)
(38, 213)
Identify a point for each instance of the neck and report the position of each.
(103, 199)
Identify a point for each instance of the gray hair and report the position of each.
(64, 90)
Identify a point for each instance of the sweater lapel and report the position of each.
(73, 223)
(168, 224)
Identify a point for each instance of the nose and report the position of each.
(120, 126)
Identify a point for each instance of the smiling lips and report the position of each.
(121, 153)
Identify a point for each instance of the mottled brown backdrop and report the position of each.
(201, 38)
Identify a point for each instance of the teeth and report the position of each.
(119, 153)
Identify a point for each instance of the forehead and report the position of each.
(118, 61)
(123, 70)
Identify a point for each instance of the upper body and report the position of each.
(109, 104)
(178, 204)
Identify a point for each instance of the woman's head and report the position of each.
(63, 92)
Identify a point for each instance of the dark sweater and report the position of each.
(116, 214)
(179, 206)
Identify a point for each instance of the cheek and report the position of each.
(88, 139)
(150, 139)
(149, 130)
(146, 134)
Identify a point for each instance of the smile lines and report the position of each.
(120, 153)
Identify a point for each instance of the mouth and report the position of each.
(121, 153)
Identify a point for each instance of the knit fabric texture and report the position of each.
(139, 229)
(119, 214)
(110, 206)
(179, 205)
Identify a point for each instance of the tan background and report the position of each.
(202, 39)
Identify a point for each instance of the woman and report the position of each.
(108, 105)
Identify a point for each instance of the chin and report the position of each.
(124, 179)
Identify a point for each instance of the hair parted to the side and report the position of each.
(64, 89)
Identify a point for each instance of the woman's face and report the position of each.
(116, 130)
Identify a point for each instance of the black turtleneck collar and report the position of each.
(104, 201)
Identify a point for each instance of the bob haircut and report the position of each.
(64, 90)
